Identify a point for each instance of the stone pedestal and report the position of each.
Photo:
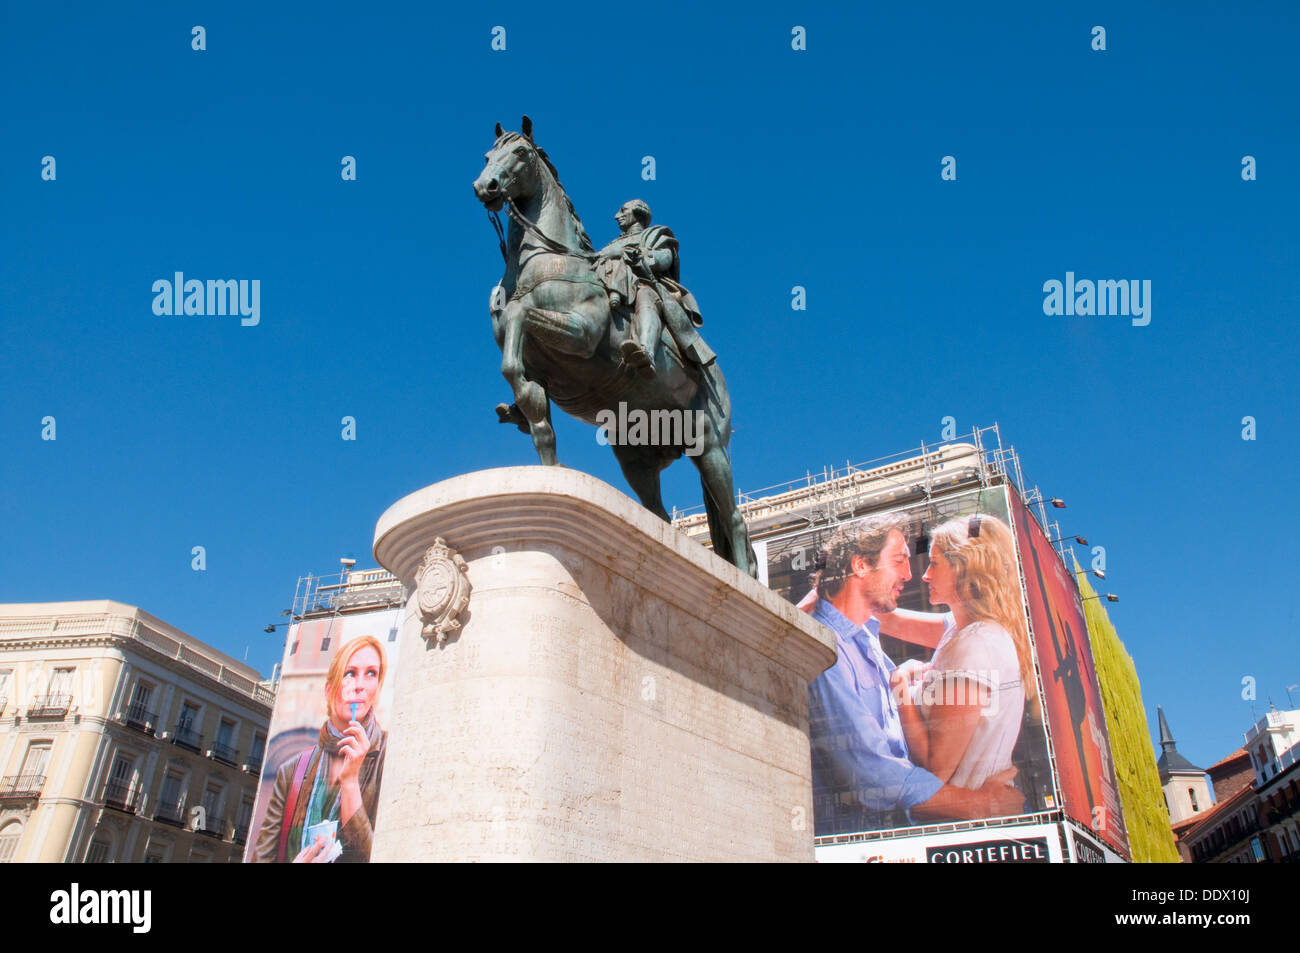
(614, 692)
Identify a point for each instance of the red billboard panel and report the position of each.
(1072, 700)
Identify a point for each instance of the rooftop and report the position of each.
(28, 620)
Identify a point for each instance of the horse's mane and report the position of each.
(584, 241)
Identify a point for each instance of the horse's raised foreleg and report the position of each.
(530, 397)
(567, 317)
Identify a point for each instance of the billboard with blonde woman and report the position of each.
(931, 714)
(318, 795)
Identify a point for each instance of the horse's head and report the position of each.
(510, 172)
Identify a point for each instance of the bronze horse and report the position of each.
(561, 341)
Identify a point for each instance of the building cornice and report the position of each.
(128, 644)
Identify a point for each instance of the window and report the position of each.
(142, 695)
(120, 789)
(36, 760)
(1191, 792)
(210, 819)
(61, 681)
(10, 834)
(123, 769)
(140, 711)
(188, 726)
(244, 818)
(6, 674)
(97, 853)
(189, 720)
(256, 752)
(169, 804)
(226, 733)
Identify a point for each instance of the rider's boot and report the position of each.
(511, 414)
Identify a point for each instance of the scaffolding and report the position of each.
(974, 460)
(351, 590)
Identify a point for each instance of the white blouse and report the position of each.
(984, 654)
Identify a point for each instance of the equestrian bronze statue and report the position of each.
(610, 336)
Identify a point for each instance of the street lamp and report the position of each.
(1078, 539)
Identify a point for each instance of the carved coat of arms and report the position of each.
(441, 590)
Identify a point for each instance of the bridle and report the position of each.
(532, 230)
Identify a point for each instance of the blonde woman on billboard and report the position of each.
(323, 807)
(962, 711)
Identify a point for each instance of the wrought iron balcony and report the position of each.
(49, 706)
(241, 833)
(171, 813)
(223, 753)
(254, 763)
(21, 787)
(187, 736)
(122, 796)
(141, 718)
(212, 826)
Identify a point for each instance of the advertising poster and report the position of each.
(319, 788)
(1014, 844)
(931, 715)
(1071, 696)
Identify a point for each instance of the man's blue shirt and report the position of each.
(862, 778)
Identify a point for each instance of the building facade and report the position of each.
(123, 739)
(1256, 817)
(1274, 748)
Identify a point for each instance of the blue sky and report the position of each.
(775, 168)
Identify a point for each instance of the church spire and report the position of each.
(1166, 736)
(1171, 762)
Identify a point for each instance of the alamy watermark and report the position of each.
(652, 428)
(215, 297)
(76, 906)
(1104, 296)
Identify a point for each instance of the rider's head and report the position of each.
(633, 211)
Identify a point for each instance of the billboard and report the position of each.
(319, 789)
(1071, 696)
(1085, 850)
(931, 713)
(1013, 844)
